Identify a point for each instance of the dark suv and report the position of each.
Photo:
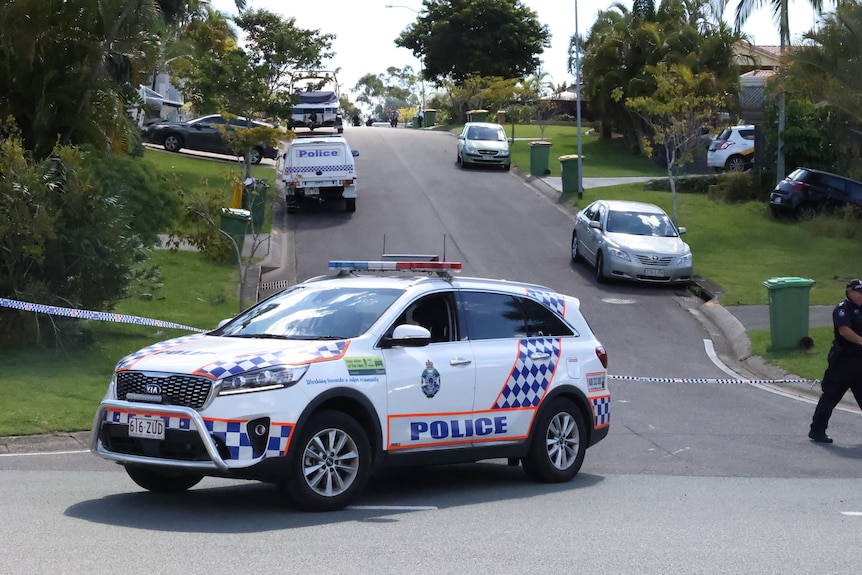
(805, 192)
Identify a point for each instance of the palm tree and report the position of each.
(780, 14)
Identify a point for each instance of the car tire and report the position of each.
(736, 164)
(160, 482)
(350, 204)
(600, 268)
(576, 252)
(806, 212)
(332, 463)
(464, 165)
(507, 167)
(173, 143)
(255, 156)
(559, 443)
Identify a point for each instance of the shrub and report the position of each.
(736, 187)
(696, 184)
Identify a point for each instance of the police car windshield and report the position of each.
(313, 312)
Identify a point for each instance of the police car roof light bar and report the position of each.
(388, 266)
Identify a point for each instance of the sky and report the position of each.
(366, 29)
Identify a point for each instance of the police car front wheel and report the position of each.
(333, 465)
(559, 444)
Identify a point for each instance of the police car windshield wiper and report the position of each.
(261, 336)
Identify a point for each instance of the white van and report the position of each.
(319, 168)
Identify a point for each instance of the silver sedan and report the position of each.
(631, 240)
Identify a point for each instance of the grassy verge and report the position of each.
(600, 158)
(48, 390)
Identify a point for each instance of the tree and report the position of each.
(827, 69)
(677, 111)
(460, 38)
(621, 45)
(781, 16)
(69, 69)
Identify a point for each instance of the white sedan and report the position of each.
(631, 240)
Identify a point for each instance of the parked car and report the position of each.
(806, 192)
(732, 150)
(483, 144)
(330, 379)
(203, 134)
(631, 240)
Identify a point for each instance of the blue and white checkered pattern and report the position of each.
(528, 381)
(315, 169)
(279, 435)
(233, 434)
(552, 300)
(601, 410)
(171, 422)
(129, 360)
(241, 364)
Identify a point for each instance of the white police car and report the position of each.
(318, 385)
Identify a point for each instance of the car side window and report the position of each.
(543, 322)
(836, 184)
(590, 212)
(436, 313)
(747, 134)
(493, 316)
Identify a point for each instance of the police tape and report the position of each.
(94, 315)
(708, 380)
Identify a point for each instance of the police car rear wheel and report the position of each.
(159, 482)
(333, 465)
(558, 448)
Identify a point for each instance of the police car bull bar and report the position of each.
(167, 411)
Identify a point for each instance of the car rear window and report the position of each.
(748, 134)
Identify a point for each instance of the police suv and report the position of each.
(320, 384)
(319, 168)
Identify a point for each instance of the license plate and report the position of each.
(654, 272)
(147, 427)
(312, 191)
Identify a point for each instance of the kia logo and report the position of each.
(154, 389)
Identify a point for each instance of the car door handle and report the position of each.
(460, 361)
(540, 356)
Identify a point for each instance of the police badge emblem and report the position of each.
(430, 380)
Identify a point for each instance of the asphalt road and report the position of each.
(693, 477)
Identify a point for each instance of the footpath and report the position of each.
(727, 326)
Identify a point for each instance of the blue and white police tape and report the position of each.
(94, 315)
(707, 380)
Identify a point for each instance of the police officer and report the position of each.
(844, 363)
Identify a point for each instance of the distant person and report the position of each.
(393, 118)
(312, 120)
(844, 362)
(420, 115)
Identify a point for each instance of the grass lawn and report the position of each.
(737, 246)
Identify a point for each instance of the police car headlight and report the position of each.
(504, 153)
(275, 377)
(616, 252)
(685, 258)
(470, 149)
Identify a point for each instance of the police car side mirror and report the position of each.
(407, 335)
(682, 230)
(355, 153)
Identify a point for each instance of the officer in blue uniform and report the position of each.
(844, 363)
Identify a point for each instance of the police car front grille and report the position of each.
(186, 390)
